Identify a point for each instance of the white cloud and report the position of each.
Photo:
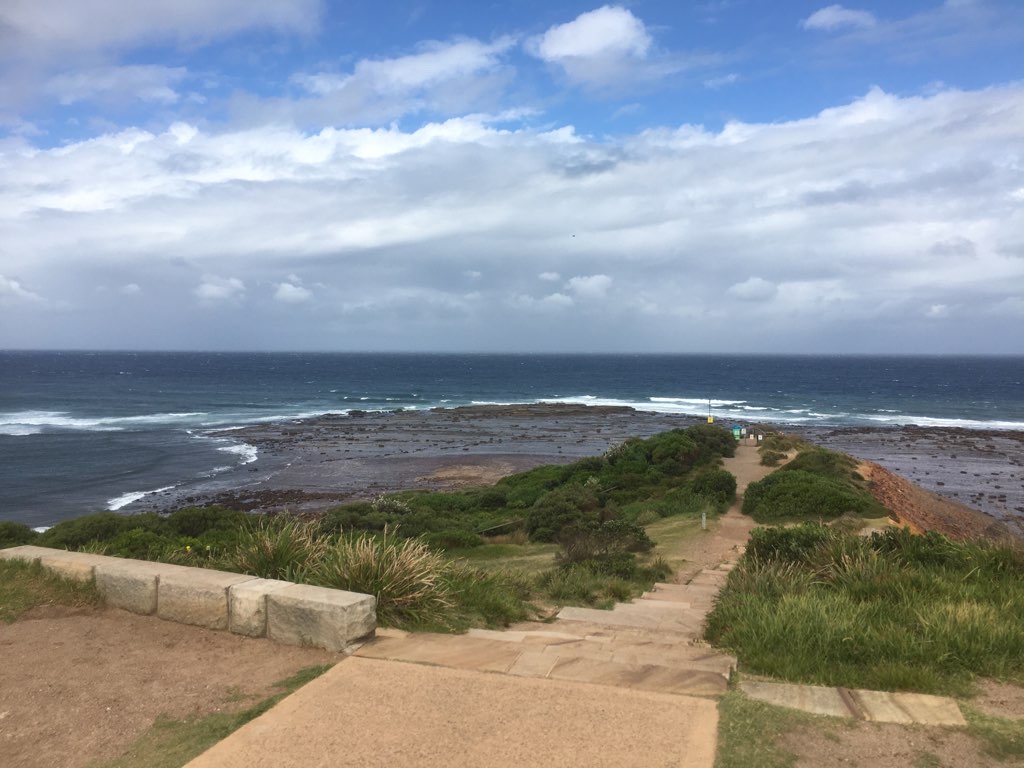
(606, 47)
(843, 210)
(753, 289)
(214, 289)
(291, 293)
(607, 31)
(142, 82)
(590, 287)
(937, 311)
(62, 25)
(13, 290)
(436, 63)
(131, 289)
(835, 17)
(720, 82)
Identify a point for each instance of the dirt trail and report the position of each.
(731, 531)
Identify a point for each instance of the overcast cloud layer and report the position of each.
(609, 179)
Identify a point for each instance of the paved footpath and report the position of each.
(635, 685)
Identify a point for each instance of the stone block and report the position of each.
(77, 566)
(247, 605)
(131, 584)
(324, 618)
(197, 596)
(26, 553)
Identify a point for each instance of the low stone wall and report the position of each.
(295, 614)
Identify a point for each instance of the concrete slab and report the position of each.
(375, 714)
(883, 707)
(533, 664)
(247, 605)
(197, 596)
(454, 651)
(644, 677)
(807, 698)
(325, 618)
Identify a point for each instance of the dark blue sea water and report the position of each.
(83, 431)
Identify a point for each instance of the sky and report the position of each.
(726, 176)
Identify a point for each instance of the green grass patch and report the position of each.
(173, 743)
(893, 611)
(749, 732)
(24, 586)
(1000, 737)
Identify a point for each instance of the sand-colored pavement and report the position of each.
(367, 712)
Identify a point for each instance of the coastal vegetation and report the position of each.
(24, 586)
(424, 555)
(893, 611)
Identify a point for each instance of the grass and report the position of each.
(173, 743)
(1000, 737)
(24, 586)
(892, 612)
(749, 732)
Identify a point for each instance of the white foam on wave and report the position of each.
(33, 422)
(696, 401)
(929, 421)
(127, 498)
(249, 453)
(42, 528)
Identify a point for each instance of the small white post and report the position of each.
(703, 520)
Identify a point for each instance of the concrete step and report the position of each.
(627, 618)
(685, 670)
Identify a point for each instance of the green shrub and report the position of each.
(559, 509)
(278, 548)
(452, 539)
(795, 494)
(716, 485)
(195, 521)
(407, 578)
(772, 458)
(138, 543)
(15, 534)
(592, 541)
(714, 441)
(787, 545)
(825, 463)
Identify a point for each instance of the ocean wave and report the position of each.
(34, 422)
(931, 421)
(248, 453)
(132, 496)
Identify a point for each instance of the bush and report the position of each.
(104, 527)
(825, 463)
(601, 541)
(195, 521)
(279, 548)
(138, 543)
(772, 458)
(452, 539)
(560, 509)
(14, 534)
(787, 545)
(795, 494)
(407, 578)
(713, 441)
(716, 485)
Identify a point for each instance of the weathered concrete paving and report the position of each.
(874, 706)
(368, 713)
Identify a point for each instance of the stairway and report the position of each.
(650, 644)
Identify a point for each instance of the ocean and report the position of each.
(86, 431)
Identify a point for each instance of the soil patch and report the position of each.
(78, 686)
(885, 745)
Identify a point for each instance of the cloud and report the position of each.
(609, 31)
(937, 312)
(601, 48)
(291, 293)
(214, 289)
(143, 82)
(753, 289)
(12, 290)
(71, 25)
(720, 82)
(131, 289)
(835, 17)
(590, 287)
(863, 216)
